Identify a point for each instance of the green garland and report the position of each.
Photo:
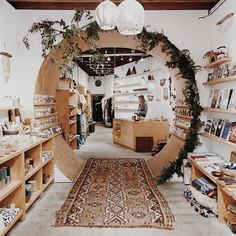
(52, 30)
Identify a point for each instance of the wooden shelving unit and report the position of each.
(179, 137)
(67, 103)
(46, 116)
(45, 105)
(184, 117)
(217, 63)
(182, 127)
(220, 81)
(14, 191)
(226, 195)
(208, 109)
(217, 139)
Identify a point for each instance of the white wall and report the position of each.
(224, 34)
(8, 34)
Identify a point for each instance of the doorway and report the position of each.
(97, 107)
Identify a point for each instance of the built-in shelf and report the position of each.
(9, 108)
(217, 63)
(128, 93)
(182, 127)
(217, 139)
(33, 198)
(48, 183)
(184, 117)
(72, 122)
(46, 116)
(72, 138)
(32, 172)
(46, 162)
(49, 126)
(44, 104)
(182, 106)
(9, 188)
(208, 109)
(7, 228)
(127, 85)
(219, 81)
(179, 137)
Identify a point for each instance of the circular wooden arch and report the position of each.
(65, 159)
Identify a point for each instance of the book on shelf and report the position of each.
(232, 101)
(214, 125)
(208, 125)
(220, 98)
(215, 98)
(226, 129)
(219, 128)
(232, 133)
(225, 99)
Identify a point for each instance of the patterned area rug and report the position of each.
(115, 193)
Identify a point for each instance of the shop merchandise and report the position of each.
(8, 215)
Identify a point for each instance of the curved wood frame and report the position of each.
(68, 162)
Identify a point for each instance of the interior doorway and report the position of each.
(97, 107)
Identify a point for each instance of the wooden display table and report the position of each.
(125, 131)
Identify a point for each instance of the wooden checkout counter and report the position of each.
(127, 131)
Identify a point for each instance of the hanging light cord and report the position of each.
(215, 8)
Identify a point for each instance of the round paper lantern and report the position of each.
(106, 15)
(131, 17)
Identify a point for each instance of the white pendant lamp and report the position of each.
(131, 17)
(106, 15)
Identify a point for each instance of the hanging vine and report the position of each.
(51, 31)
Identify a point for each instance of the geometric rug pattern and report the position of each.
(115, 193)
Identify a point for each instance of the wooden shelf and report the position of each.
(182, 127)
(32, 172)
(179, 137)
(208, 109)
(182, 106)
(9, 108)
(9, 188)
(230, 191)
(126, 85)
(49, 126)
(128, 93)
(45, 116)
(48, 183)
(184, 117)
(7, 228)
(72, 139)
(47, 105)
(217, 63)
(217, 139)
(72, 122)
(33, 198)
(219, 81)
(46, 162)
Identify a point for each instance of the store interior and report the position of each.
(76, 154)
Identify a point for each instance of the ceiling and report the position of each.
(111, 58)
(92, 4)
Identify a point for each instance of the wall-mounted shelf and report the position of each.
(184, 117)
(136, 92)
(127, 85)
(217, 139)
(45, 116)
(217, 63)
(219, 81)
(9, 108)
(208, 109)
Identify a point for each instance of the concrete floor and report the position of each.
(40, 217)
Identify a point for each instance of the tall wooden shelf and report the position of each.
(14, 191)
(66, 104)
